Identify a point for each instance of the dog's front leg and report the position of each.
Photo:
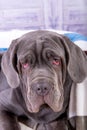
(8, 121)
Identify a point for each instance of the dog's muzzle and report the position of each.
(42, 87)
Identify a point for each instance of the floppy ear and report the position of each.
(77, 60)
(8, 64)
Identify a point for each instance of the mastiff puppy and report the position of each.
(36, 75)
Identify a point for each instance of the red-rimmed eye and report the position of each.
(25, 65)
(56, 62)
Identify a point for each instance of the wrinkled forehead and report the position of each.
(38, 44)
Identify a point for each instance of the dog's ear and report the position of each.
(8, 64)
(77, 60)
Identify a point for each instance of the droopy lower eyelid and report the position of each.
(25, 65)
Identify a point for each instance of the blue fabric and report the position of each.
(75, 37)
(3, 49)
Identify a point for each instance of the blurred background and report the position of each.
(70, 15)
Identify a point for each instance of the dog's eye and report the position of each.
(25, 65)
(56, 62)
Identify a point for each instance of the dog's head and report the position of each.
(40, 61)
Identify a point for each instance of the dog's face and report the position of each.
(40, 65)
(39, 61)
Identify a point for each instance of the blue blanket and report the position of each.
(76, 37)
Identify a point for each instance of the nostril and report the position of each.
(45, 89)
(39, 90)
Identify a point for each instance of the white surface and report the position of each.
(23, 127)
(78, 100)
(7, 36)
(82, 44)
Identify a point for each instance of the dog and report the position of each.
(36, 75)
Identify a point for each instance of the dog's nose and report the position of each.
(41, 88)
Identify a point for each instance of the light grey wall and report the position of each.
(40, 14)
